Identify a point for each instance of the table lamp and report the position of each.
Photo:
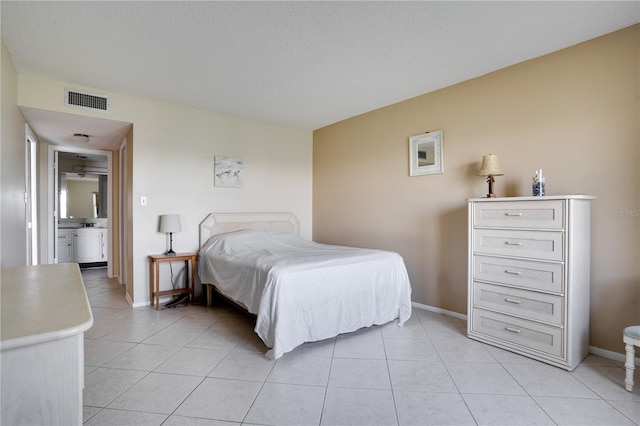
(490, 168)
(170, 223)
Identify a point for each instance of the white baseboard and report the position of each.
(615, 356)
(126, 295)
(439, 311)
(136, 305)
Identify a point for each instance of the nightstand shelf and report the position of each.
(154, 273)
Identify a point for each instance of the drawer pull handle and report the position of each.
(513, 214)
(513, 243)
(506, 271)
(517, 302)
(511, 329)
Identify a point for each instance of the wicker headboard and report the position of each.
(218, 223)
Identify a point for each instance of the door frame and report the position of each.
(31, 196)
(122, 211)
(53, 195)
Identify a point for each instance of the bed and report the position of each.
(300, 291)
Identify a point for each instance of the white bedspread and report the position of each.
(303, 291)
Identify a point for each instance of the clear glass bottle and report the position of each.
(538, 185)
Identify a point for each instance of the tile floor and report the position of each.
(205, 366)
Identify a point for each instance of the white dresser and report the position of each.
(529, 276)
(44, 314)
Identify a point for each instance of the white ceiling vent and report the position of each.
(76, 99)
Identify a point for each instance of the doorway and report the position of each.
(73, 133)
(81, 206)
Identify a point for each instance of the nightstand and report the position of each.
(154, 264)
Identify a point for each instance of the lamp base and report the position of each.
(171, 252)
(490, 181)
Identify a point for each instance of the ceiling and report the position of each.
(58, 128)
(301, 64)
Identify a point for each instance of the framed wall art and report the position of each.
(228, 172)
(426, 154)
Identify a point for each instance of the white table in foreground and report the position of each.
(44, 314)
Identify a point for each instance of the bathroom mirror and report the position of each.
(425, 154)
(82, 195)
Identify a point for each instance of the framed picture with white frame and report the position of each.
(426, 154)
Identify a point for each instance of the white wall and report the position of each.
(173, 151)
(12, 168)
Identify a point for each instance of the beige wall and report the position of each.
(12, 168)
(171, 151)
(573, 113)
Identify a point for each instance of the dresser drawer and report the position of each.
(542, 276)
(533, 244)
(517, 331)
(544, 214)
(523, 303)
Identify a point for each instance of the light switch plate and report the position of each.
(143, 201)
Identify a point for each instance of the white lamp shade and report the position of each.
(490, 166)
(170, 223)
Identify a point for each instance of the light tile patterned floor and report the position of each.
(205, 366)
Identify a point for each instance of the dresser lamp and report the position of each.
(490, 168)
(170, 223)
